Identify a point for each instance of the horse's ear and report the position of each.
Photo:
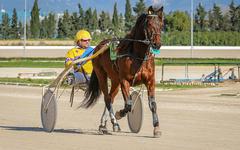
(161, 9)
(160, 13)
(150, 10)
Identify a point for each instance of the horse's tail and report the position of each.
(92, 93)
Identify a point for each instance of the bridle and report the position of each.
(148, 37)
(147, 41)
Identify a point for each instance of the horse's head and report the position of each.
(153, 26)
(146, 33)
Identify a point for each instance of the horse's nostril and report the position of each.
(156, 46)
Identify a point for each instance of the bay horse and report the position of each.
(134, 65)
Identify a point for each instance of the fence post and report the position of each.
(238, 72)
(162, 72)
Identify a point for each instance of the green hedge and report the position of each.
(201, 38)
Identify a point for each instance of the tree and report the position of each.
(81, 17)
(178, 21)
(233, 14)
(20, 28)
(238, 11)
(60, 30)
(75, 23)
(128, 16)
(28, 30)
(66, 25)
(226, 25)
(210, 20)
(121, 22)
(5, 26)
(95, 20)
(43, 28)
(140, 7)
(14, 25)
(200, 17)
(48, 24)
(88, 19)
(115, 20)
(35, 22)
(216, 18)
(51, 25)
(104, 21)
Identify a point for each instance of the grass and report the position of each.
(26, 81)
(38, 42)
(196, 61)
(175, 87)
(59, 62)
(48, 81)
(32, 64)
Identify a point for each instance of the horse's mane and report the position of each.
(125, 44)
(139, 21)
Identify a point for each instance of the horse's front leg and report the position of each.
(125, 87)
(153, 107)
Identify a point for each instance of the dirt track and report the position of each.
(196, 119)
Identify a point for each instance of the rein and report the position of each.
(147, 41)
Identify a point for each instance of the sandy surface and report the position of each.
(170, 72)
(196, 119)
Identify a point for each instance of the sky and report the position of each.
(58, 6)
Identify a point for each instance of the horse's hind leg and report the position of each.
(104, 119)
(102, 79)
(102, 76)
(113, 92)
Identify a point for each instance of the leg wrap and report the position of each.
(127, 108)
(153, 107)
(152, 104)
(109, 107)
(104, 117)
(129, 104)
(111, 113)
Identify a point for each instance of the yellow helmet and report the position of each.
(82, 34)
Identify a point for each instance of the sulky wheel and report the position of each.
(48, 111)
(135, 117)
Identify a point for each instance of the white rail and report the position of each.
(166, 51)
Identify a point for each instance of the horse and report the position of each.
(134, 66)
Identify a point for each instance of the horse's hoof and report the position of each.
(117, 115)
(156, 132)
(102, 129)
(116, 128)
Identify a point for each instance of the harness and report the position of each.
(147, 41)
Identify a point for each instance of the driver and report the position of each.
(83, 70)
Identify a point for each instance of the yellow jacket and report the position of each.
(74, 54)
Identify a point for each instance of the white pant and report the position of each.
(80, 78)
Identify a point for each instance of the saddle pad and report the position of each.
(113, 53)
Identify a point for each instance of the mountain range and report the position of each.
(58, 6)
